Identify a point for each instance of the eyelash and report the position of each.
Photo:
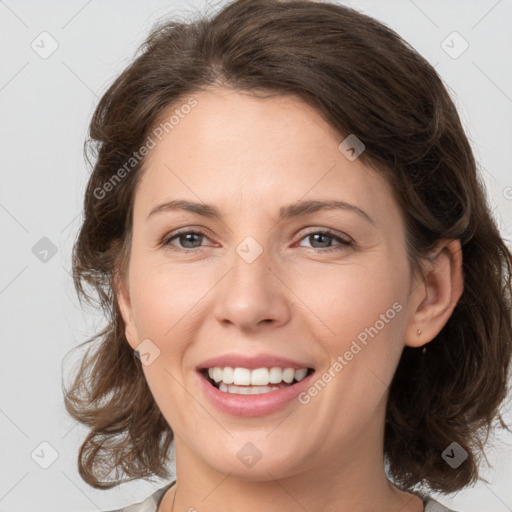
(344, 244)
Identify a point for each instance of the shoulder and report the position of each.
(150, 504)
(432, 505)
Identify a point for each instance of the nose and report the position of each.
(252, 294)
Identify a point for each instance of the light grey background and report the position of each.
(45, 107)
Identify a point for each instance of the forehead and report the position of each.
(235, 149)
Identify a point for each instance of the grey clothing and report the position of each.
(151, 503)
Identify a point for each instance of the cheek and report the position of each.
(360, 313)
(348, 298)
(168, 306)
(165, 299)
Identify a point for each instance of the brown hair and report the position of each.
(365, 80)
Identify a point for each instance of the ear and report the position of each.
(122, 293)
(436, 294)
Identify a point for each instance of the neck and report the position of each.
(356, 487)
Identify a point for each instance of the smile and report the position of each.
(253, 385)
(244, 381)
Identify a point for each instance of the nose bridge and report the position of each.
(251, 263)
(251, 292)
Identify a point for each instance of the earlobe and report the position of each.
(438, 294)
(125, 307)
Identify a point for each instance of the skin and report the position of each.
(298, 299)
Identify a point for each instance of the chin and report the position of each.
(256, 462)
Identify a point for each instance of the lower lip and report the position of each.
(253, 405)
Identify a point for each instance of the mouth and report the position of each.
(245, 381)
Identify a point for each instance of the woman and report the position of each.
(306, 289)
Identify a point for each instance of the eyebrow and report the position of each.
(285, 212)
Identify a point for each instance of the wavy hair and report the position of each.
(365, 80)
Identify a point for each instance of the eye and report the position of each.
(324, 237)
(189, 239)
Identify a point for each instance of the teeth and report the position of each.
(276, 375)
(241, 376)
(228, 375)
(247, 390)
(217, 374)
(288, 375)
(257, 377)
(300, 374)
(260, 377)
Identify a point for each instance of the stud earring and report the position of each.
(424, 349)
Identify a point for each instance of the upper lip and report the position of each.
(252, 362)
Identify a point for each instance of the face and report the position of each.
(327, 291)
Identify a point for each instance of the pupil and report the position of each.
(187, 239)
(321, 235)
